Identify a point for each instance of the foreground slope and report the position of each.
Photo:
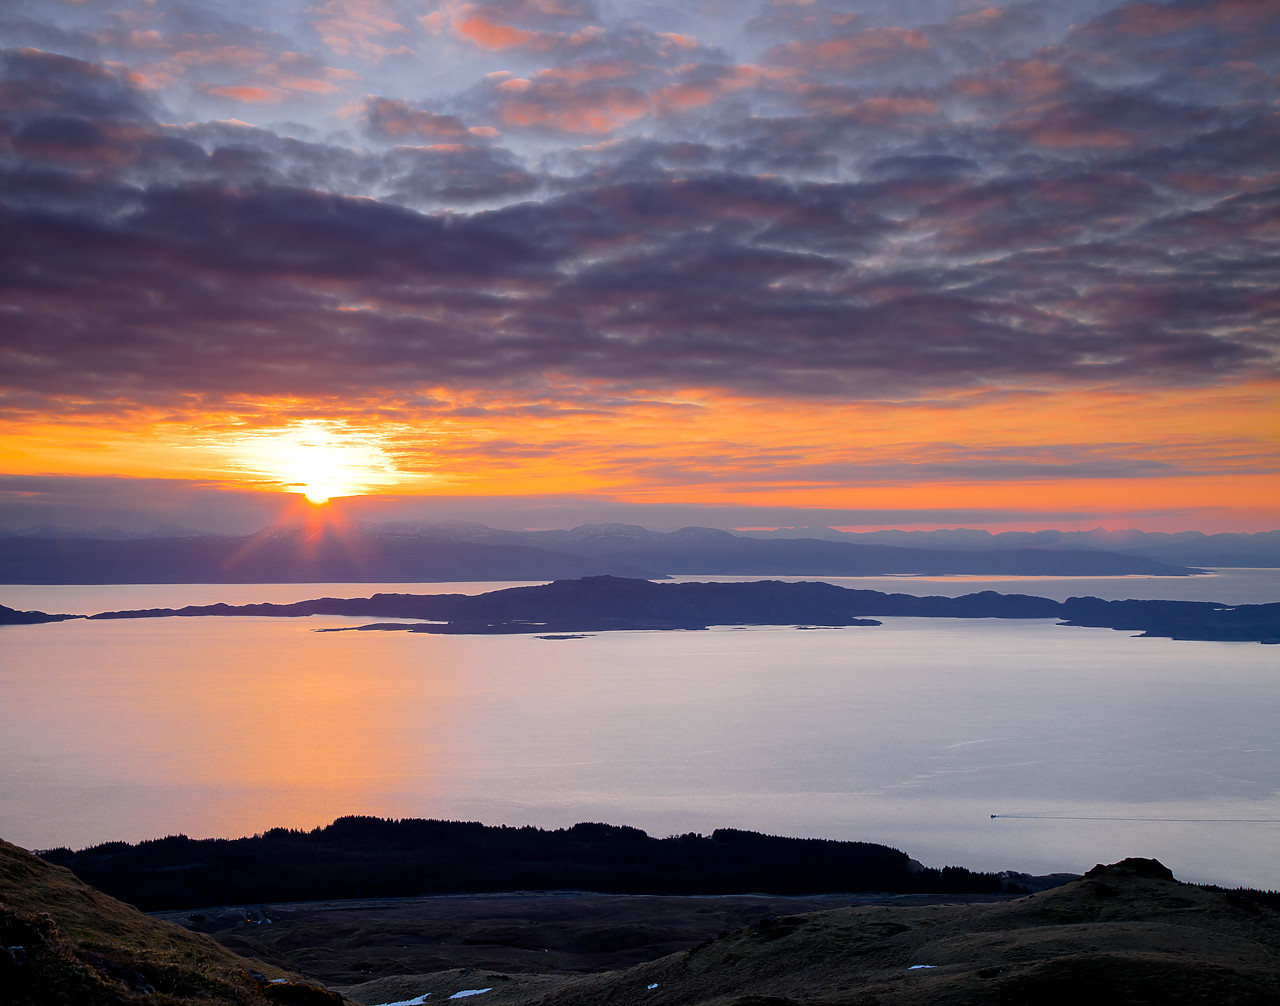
(1127, 933)
(62, 942)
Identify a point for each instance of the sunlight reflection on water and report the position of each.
(912, 734)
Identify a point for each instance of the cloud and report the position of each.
(366, 28)
(854, 51)
(539, 26)
(1160, 20)
(732, 464)
(251, 95)
(629, 76)
(1112, 121)
(36, 82)
(718, 282)
(543, 195)
(799, 19)
(455, 173)
(1017, 82)
(701, 85)
(492, 35)
(555, 104)
(401, 121)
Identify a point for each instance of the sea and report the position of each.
(992, 744)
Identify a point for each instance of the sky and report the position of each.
(921, 263)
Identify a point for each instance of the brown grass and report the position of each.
(1117, 936)
(62, 942)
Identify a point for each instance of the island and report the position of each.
(11, 616)
(604, 603)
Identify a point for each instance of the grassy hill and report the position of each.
(62, 942)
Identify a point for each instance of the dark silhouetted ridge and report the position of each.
(602, 603)
(364, 857)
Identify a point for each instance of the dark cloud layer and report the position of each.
(864, 209)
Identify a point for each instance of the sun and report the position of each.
(318, 459)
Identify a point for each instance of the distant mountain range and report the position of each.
(1192, 548)
(461, 551)
(286, 555)
(100, 531)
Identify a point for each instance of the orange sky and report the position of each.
(794, 261)
(1159, 460)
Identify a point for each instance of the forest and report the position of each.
(369, 857)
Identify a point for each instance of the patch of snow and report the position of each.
(410, 1002)
(470, 992)
(917, 967)
(653, 986)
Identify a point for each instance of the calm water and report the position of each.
(912, 734)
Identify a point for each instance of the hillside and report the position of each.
(63, 942)
(1124, 934)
